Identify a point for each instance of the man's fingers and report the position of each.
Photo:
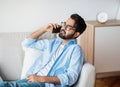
(29, 79)
(54, 25)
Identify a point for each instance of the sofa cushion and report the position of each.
(11, 55)
(29, 58)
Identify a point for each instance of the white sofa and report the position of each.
(14, 61)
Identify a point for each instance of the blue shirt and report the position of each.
(66, 67)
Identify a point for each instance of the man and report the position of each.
(61, 65)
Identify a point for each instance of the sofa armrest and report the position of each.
(87, 77)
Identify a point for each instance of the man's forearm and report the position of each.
(36, 34)
(47, 28)
(51, 79)
(45, 79)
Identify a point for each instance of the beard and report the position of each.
(63, 35)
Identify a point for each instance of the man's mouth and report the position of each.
(63, 32)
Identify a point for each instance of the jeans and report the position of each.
(21, 83)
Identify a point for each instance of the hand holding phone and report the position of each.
(56, 30)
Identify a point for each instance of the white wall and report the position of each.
(118, 14)
(29, 15)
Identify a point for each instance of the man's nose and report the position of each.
(63, 27)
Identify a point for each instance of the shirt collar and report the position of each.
(73, 41)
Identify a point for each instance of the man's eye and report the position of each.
(69, 26)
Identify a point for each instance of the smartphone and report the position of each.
(56, 30)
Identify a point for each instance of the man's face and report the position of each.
(68, 30)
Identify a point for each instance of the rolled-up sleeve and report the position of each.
(34, 43)
(28, 41)
(75, 66)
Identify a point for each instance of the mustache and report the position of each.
(62, 31)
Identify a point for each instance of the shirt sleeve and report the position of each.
(75, 66)
(36, 44)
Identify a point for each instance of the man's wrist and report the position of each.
(42, 79)
(49, 79)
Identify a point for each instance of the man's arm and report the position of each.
(45, 79)
(47, 28)
(36, 78)
(36, 34)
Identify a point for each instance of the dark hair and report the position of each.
(80, 24)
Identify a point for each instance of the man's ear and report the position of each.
(77, 34)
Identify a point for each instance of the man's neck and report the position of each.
(65, 41)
